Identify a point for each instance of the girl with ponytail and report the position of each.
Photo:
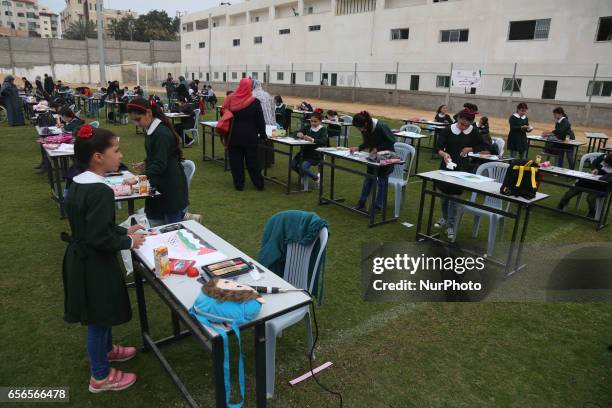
(162, 164)
(377, 136)
(562, 131)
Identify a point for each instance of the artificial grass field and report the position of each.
(384, 354)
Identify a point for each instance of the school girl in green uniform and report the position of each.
(162, 165)
(95, 294)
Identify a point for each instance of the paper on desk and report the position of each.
(203, 255)
(475, 178)
(65, 148)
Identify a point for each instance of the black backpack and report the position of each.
(522, 179)
(45, 119)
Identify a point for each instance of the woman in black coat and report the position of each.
(248, 128)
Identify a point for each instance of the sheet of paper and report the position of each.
(475, 178)
(182, 245)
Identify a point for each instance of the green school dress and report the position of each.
(165, 172)
(517, 137)
(94, 284)
(309, 153)
(73, 125)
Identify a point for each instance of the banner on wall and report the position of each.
(466, 78)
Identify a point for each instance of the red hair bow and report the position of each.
(85, 132)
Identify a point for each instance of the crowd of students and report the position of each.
(95, 240)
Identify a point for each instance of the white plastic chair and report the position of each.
(501, 143)
(396, 179)
(195, 133)
(589, 157)
(296, 273)
(78, 114)
(94, 124)
(344, 130)
(189, 168)
(410, 128)
(496, 171)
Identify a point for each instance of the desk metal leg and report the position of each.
(333, 178)
(176, 326)
(519, 252)
(575, 157)
(142, 308)
(59, 194)
(203, 143)
(432, 207)
(373, 198)
(260, 365)
(217, 346)
(289, 170)
(130, 207)
(507, 271)
(603, 217)
(418, 154)
(321, 180)
(421, 206)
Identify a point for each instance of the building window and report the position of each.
(308, 77)
(234, 75)
(6, 3)
(236, 42)
(20, 15)
(8, 13)
(202, 45)
(257, 40)
(216, 75)
(508, 87)
(201, 24)
(284, 31)
(314, 28)
(442, 81)
(254, 75)
(390, 79)
(549, 90)
(187, 46)
(354, 6)
(439, 1)
(399, 33)
(454, 35)
(529, 30)
(280, 76)
(19, 4)
(599, 88)
(604, 31)
(414, 82)
(255, 19)
(310, 10)
(188, 26)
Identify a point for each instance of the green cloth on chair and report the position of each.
(290, 227)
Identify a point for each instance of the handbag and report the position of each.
(207, 311)
(522, 179)
(224, 126)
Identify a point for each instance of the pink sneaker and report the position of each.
(120, 353)
(116, 381)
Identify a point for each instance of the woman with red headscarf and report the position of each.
(248, 127)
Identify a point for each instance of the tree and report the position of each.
(155, 25)
(123, 29)
(81, 30)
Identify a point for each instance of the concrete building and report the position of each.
(49, 24)
(19, 18)
(85, 10)
(546, 49)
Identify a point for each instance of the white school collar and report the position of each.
(153, 126)
(374, 123)
(89, 177)
(441, 115)
(516, 115)
(562, 117)
(316, 129)
(456, 131)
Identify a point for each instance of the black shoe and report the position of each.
(610, 347)
(562, 204)
(591, 214)
(239, 188)
(360, 206)
(42, 170)
(38, 166)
